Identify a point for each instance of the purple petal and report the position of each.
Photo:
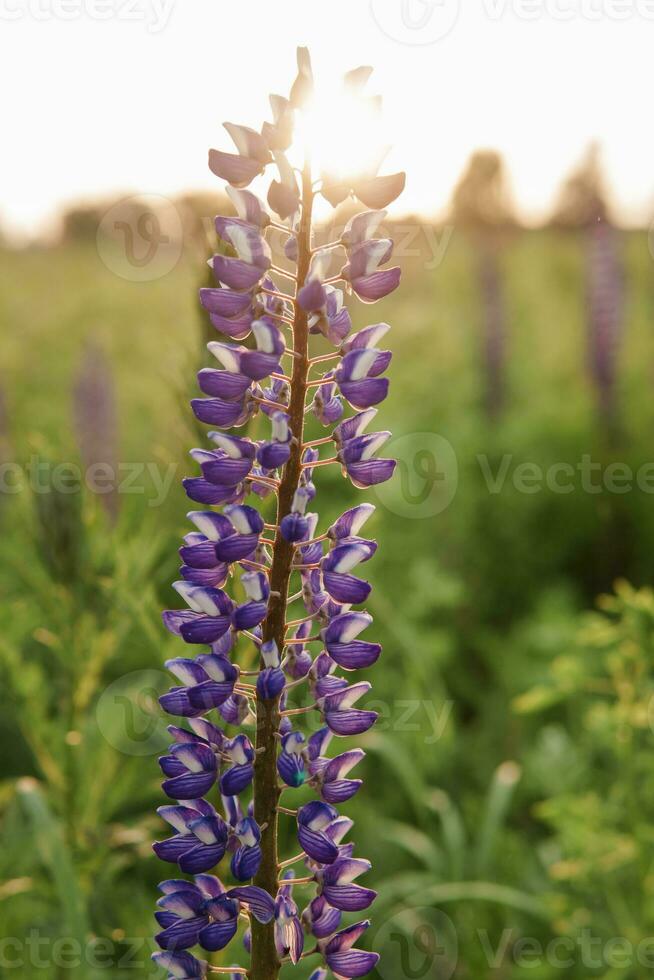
(377, 285)
(257, 900)
(245, 862)
(177, 702)
(346, 588)
(237, 170)
(379, 192)
(234, 780)
(355, 655)
(370, 472)
(237, 274)
(258, 365)
(291, 768)
(352, 964)
(182, 934)
(317, 845)
(226, 385)
(216, 411)
(312, 296)
(340, 790)
(236, 547)
(349, 898)
(365, 392)
(205, 629)
(238, 328)
(283, 199)
(202, 857)
(189, 786)
(351, 721)
(172, 849)
(226, 471)
(218, 935)
(225, 302)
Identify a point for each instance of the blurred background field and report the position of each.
(509, 797)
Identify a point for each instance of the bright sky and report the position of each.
(127, 95)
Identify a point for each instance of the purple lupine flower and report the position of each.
(181, 966)
(343, 959)
(224, 788)
(289, 935)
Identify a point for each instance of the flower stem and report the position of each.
(265, 963)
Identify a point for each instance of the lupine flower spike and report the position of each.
(296, 588)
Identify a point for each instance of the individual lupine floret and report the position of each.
(361, 227)
(252, 612)
(191, 771)
(239, 752)
(289, 935)
(315, 820)
(358, 379)
(331, 318)
(295, 526)
(276, 451)
(359, 462)
(327, 405)
(339, 714)
(247, 856)
(291, 761)
(184, 845)
(338, 563)
(271, 679)
(239, 169)
(342, 645)
(207, 618)
(207, 682)
(362, 271)
(336, 885)
(327, 775)
(343, 959)
(321, 919)
(181, 965)
(350, 522)
(247, 525)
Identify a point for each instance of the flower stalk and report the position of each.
(201, 910)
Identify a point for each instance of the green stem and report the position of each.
(265, 961)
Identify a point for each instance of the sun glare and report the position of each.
(343, 134)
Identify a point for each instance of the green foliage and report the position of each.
(509, 783)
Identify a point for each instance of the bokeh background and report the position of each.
(509, 801)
